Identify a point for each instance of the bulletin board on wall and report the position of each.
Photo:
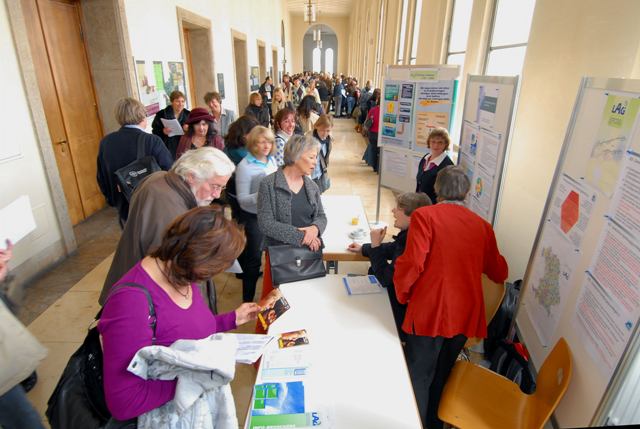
(486, 122)
(414, 101)
(156, 80)
(583, 278)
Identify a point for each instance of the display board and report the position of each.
(583, 278)
(156, 80)
(486, 122)
(415, 100)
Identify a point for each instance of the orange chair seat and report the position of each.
(477, 398)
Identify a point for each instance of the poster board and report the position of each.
(415, 99)
(486, 124)
(155, 80)
(583, 278)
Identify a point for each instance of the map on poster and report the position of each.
(571, 209)
(612, 140)
(433, 109)
(397, 114)
(550, 282)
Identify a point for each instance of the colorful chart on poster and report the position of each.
(397, 114)
(571, 209)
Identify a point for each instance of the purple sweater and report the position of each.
(125, 329)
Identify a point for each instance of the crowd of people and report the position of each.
(271, 166)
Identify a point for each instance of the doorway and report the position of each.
(274, 56)
(66, 87)
(197, 50)
(262, 61)
(242, 69)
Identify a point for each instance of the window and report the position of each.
(378, 71)
(509, 37)
(403, 32)
(328, 60)
(316, 60)
(416, 32)
(459, 31)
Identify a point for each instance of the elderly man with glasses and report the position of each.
(196, 179)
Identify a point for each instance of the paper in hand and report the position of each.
(174, 126)
(16, 220)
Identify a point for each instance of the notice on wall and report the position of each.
(481, 193)
(467, 165)
(488, 149)
(626, 204)
(397, 114)
(469, 140)
(394, 163)
(549, 282)
(571, 209)
(156, 80)
(488, 96)
(608, 308)
(611, 143)
(433, 109)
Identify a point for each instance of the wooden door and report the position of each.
(242, 73)
(262, 62)
(69, 99)
(186, 33)
(275, 77)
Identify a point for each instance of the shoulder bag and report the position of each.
(78, 400)
(129, 176)
(291, 263)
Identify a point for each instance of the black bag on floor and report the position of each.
(498, 328)
(129, 176)
(78, 400)
(507, 362)
(292, 263)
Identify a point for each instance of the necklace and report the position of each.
(184, 295)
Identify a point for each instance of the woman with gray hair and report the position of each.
(289, 206)
(448, 249)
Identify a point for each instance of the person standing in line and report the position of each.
(120, 148)
(201, 132)
(287, 87)
(266, 91)
(222, 118)
(323, 91)
(322, 132)
(430, 274)
(338, 89)
(175, 110)
(432, 163)
(372, 148)
(258, 163)
(279, 102)
(285, 125)
(258, 110)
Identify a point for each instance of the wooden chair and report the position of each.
(475, 397)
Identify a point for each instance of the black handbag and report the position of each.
(129, 176)
(292, 263)
(78, 400)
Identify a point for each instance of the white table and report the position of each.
(358, 368)
(340, 210)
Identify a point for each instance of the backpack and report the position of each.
(129, 176)
(498, 328)
(509, 362)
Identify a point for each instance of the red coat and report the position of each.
(439, 273)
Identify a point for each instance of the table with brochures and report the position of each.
(349, 372)
(341, 211)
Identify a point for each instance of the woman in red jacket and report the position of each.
(439, 275)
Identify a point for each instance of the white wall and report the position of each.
(154, 33)
(23, 174)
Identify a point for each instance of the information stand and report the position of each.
(414, 101)
(583, 278)
(486, 123)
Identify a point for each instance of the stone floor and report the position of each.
(61, 304)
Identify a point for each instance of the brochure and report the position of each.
(292, 339)
(250, 346)
(361, 285)
(272, 306)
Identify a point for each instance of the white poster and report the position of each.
(549, 282)
(481, 193)
(394, 163)
(488, 150)
(488, 96)
(625, 207)
(396, 114)
(571, 209)
(469, 140)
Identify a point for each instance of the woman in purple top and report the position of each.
(195, 247)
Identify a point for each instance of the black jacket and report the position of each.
(119, 149)
(157, 127)
(323, 91)
(260, 113)
(426, 179)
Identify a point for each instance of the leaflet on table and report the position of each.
(289, 363)
(362, 285)
(16, 221)
(250, 346)
(174, 127)
(570, 212)
(396, 113)
(433, 109)
(625, 208)
(293, 339)
(272, 307)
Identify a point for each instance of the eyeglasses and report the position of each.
(215, 187)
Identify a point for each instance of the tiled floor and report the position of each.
(62, 304)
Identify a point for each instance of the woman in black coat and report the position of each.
(175, 110)
(258, 110)
(431, 164)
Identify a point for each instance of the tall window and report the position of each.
(459, 31)
(328, 60)
(509, 37)
(378, 71)
(416, 32)
(403, 32)
(316, 60)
